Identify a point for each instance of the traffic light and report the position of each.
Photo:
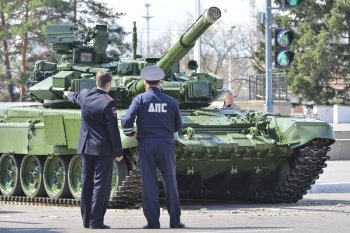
(292, 3)
(283, 55)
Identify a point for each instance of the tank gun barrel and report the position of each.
(188, 39)
(184, 44)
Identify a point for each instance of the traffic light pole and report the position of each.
(268, 58)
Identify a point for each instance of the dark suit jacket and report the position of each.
(99, 132)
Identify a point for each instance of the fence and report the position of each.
(257, 86)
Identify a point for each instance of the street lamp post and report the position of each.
(147, 17)
(197, 46)
(229, 74)
(268, 58)
(230, 60)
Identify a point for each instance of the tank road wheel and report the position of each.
(273, 182)
(55, 177)
(283, 172)
(10, 184)
(31, 176)
(74, 176)
(120, 171)
(217, 186)
(189, 186)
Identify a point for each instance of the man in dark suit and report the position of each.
(99, 143)
(157, 118)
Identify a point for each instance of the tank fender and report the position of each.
(299, 131)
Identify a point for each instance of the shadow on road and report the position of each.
(29, 229)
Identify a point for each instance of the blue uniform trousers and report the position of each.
(153, 154)
(96, 188)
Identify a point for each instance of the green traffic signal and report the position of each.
(293, 2)
(283, 55)
(284, 58)
(284, 37)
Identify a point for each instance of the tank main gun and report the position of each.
(184, 44)
(189, 38)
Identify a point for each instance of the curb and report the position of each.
(330, 188)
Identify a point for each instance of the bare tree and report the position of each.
(229, 52)
(161, 44)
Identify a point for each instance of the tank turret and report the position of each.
(64, 41)
(83, 58)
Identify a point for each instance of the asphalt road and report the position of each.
(317, 212)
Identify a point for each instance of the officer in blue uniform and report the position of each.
(157, 119)
(99, 143)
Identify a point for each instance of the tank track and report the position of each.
(38, 200)
(128, 196)
(305, 170)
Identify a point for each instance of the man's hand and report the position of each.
(118, 159)
(65, 94)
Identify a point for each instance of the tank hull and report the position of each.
(228, 155)
(38, 153)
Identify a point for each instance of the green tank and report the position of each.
(226, 154)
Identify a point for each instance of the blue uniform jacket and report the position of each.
(99, 132)
(158, 115)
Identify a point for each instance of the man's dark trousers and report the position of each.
(94, 201)
(159, 153)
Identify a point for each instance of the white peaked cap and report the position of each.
(152, 73)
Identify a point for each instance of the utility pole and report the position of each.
(283, 55)
(74, 6)
(147, 17)
(197, 46)
(268, 58)
(230, 62)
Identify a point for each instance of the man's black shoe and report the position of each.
(103, 226)
(151, 227)
(180, 225)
